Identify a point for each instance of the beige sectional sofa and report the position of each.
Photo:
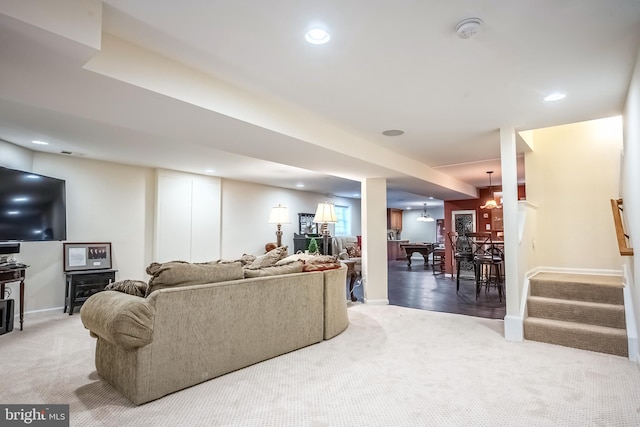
(181, 336)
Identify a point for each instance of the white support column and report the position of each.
(513, 329)
(374, 240)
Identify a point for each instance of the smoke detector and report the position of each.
(469, 27)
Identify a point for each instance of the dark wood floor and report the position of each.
(417, 287)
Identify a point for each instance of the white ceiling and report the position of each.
(389, 65)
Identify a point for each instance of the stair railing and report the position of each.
(621, 236)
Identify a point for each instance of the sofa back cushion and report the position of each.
(179, 273)
(275, 270)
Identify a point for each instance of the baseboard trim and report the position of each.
(513, 328)
(376, 301)
(41, 311)
(630, 315)
(593, 271)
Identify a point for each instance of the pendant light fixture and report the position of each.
(491, 203)
(425, 217)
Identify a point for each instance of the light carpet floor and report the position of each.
(393, 366)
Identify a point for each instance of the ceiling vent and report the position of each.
(469, 27)
(73, 153)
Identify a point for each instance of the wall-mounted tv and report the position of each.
(32, 207)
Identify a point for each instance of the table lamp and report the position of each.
(325, 214)
(279, 215)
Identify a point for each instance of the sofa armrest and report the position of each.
(122, 319)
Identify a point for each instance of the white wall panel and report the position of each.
(187, 217)
(205, 217)
(173, 217)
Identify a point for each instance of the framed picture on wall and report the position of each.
(87, 256)
(306, 225)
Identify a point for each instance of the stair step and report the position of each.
(592, 313)
(578, 287)
(601, 339)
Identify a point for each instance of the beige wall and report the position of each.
(115, 203)
(106, 202)
(245, 213)
(572, 174)
(15, 157)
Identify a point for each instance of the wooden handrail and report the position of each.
(623, 238)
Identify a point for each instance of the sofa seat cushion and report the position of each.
(179, 273)
(122, 319)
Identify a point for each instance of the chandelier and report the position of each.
(425, 217)
(491, 203)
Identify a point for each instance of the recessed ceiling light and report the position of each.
(20, 199)
(13, 212)
(317, 36)
(40, 142)
(209, 170)
(393, 132)
(356, 194)
(408, 208)
(300, 185)
(556, 96)
(32, 177)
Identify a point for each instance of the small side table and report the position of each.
(11, 275)
(352, 274)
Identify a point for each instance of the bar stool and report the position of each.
(488, 261)
(438, 260)
(462, 252)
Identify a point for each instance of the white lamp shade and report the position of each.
(279, 215)
(325, 213)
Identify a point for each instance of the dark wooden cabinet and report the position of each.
(80, 285)
(301, 243)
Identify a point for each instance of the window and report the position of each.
(343, 226)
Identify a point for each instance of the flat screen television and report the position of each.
(32, 207)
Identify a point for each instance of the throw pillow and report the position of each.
(270, 258)
(275, 270)
(353, 251)
(137, 288)
(321, 266)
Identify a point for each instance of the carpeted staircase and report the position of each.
(577, 310)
